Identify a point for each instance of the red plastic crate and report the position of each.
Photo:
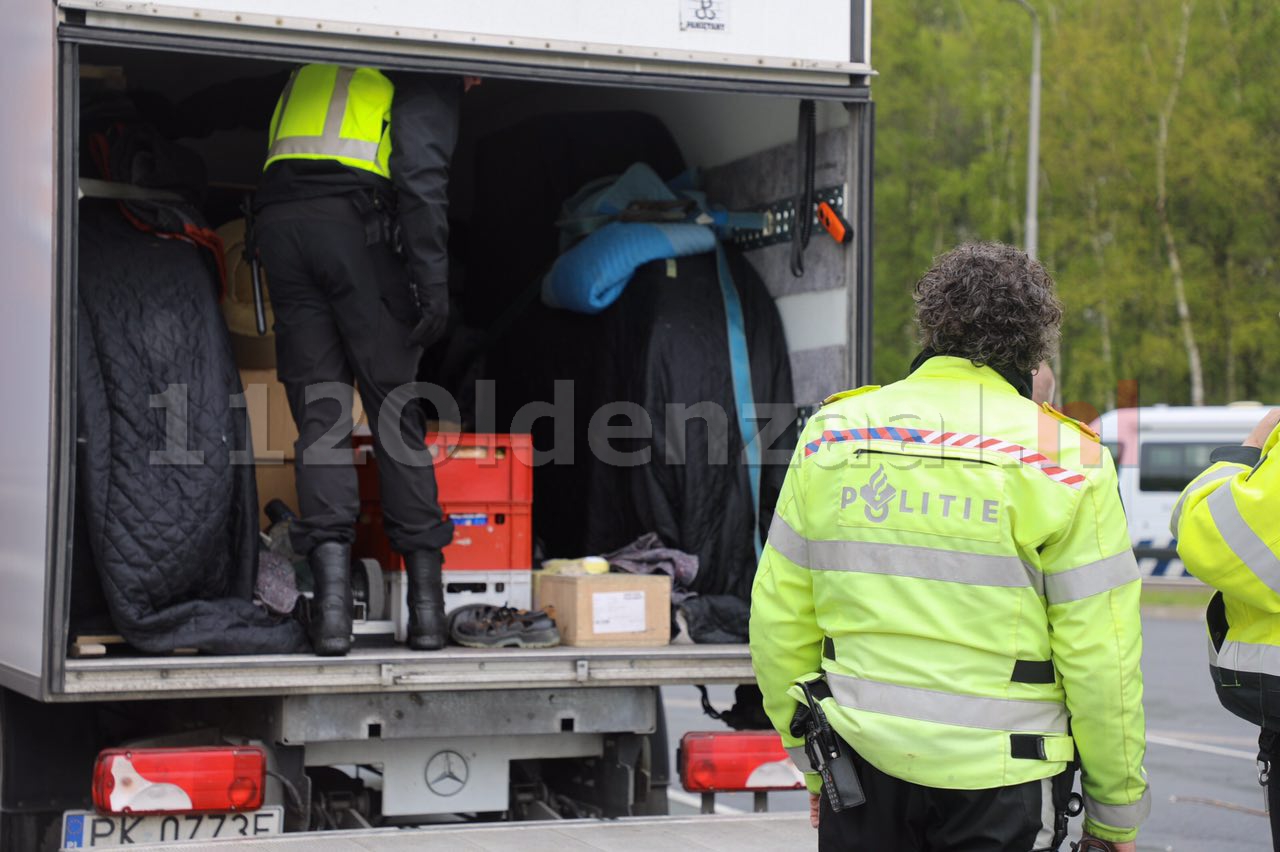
(486, 487)
(469, 468)
(486, 537)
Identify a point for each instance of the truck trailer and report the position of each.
(355, 741)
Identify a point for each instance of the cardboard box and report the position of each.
(608, 610)
(275, 481)
(270, 421)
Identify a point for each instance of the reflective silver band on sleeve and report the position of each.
(787, 541)
(1091, 579)
(1119, 816)
(799, 758)
(948, 708)
(1201, 480)
(1242, 540)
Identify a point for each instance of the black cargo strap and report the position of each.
(1032, 671)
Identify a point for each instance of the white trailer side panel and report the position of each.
(820, 35)
(28, 58)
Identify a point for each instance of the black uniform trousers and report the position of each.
(1269, 750)
(899, 816)
(343, 311)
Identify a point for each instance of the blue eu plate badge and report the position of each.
(75, 832)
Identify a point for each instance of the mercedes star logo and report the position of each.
(447, 773)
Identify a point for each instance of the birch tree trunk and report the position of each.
(1162, 209)
(1104, 309)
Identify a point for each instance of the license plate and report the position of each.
(90, 830)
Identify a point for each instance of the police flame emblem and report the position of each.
(876, 496)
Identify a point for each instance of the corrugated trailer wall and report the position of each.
(814, 307)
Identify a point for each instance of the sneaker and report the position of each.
(484, 626)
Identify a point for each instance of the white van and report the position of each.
(1158, 451)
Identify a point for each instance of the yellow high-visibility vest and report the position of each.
(331, 112)
(954, 560)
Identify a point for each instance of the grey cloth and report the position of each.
(277, 587)
(648, 555)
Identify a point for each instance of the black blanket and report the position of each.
(171, 521)
(662, 344)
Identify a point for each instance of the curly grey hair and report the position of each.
(989, 303)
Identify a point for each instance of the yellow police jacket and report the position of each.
(331, 112)
(1228, 536)
(956, 561)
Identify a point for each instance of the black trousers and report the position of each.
(899, 816)
(343, 311)
(1269, 750)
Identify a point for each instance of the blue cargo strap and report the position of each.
(743, 394)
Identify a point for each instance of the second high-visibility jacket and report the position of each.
(956, 561)
(1228, 536)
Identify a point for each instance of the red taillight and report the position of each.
(179, 780)
(734, 761)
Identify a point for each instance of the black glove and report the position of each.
(433, 307)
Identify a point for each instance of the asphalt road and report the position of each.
(1200, 759)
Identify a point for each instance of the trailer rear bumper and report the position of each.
(401, 670)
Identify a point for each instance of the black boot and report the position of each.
(427, 626)
(331, 606)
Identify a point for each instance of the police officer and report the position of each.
(1225, 524)
(352, 155)
(953, 561)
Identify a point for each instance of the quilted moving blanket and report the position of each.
(171, 517)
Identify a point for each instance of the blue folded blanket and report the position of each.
(591, 275)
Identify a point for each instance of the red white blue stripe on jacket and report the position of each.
(906, 435)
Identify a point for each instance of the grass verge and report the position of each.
(1194, 597)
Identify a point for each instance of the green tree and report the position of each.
(1121, 219)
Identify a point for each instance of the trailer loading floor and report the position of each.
(401, 670)
(744, 833)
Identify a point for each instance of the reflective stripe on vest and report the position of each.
(902, 560)
(1202, 479)
(1119, 816)
(368, 154)
(952, 566)
(949, 708)
(1242, 540)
